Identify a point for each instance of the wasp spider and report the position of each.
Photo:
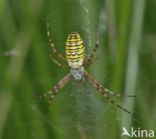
(76, 61)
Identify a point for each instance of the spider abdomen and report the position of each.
(75, 50)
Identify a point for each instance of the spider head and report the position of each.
(77, 73)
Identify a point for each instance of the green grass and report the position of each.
(125, 64)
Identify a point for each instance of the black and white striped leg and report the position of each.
(103, 91)
(116, 94)
(56, 62)
(52, 93)
(60, 55)
(89, 60)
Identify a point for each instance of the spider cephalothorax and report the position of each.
(77, 61)
(77, 73)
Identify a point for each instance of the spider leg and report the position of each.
(60, 55)
(52, 93)
(56, 62)
(103, 91)
(89, 61)
(116, 94)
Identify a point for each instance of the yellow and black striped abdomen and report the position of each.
(75, 50)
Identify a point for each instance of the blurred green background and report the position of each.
(125, 63)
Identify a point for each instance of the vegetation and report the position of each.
(125, 63)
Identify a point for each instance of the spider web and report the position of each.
(79, 111)
(83, 112)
